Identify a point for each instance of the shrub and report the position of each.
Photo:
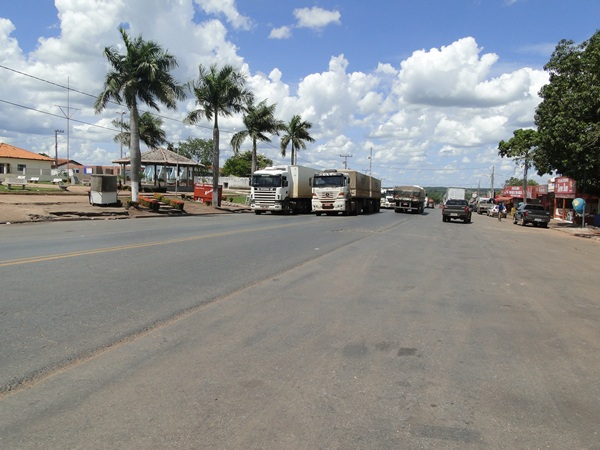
(149, 203)
(176, 203)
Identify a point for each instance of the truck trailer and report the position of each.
(345, 191)
(282, 189)
(409, 199)
(454, 194)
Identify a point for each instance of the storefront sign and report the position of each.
(565, 187)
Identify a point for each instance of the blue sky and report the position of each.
(427, 87)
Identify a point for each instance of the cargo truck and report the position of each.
(409, 199)
(345, 191)
(282, 189)
(454, 194)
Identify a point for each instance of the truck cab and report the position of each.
(330, 192)
(281, 189)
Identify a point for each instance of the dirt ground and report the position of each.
(27, 206)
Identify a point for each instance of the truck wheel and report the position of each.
(318, 214)
(258, 213)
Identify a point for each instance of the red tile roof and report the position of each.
(10, 151)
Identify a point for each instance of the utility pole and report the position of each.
(493, 169)
(56, 147)
(371, 162)
(345, 160)
(122, 168)
(121, 140)
(68, 116)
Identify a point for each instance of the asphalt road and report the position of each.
(243, 331)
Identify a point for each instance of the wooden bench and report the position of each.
(16, 182)
(34, 179)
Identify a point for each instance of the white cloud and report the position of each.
(228, 9)
(316, 18)
(284, 32)
(436, 108)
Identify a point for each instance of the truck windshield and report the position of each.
(328, 181)
(266, 181)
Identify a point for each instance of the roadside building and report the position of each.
(17, 162)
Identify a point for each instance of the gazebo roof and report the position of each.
(161, 157)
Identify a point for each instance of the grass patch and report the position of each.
(239, 199)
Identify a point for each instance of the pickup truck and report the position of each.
(534, 214)
(484, 204)
(456, 209)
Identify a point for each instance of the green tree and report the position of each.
(151, 131)
(259, 121)
(142, 74)
(199, 150)
(241, 164)
(522, 147)
(568, 118)
(514, 181)
(218, 92)
(296, 133)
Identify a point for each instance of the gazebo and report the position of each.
(160, 164)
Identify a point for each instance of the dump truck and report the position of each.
(409, 199)
(282, 189)
(345, 191)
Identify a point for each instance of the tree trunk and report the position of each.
(253, 167)
(215, 194)
(134, 152)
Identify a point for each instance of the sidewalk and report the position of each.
(24, 207)
(589, 232)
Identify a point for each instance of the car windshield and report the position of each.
(266, 180)
(328, 180)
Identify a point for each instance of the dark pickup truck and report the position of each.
(456, 209)
(534, 214)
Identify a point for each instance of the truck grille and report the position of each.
(327, 196)
(264, 197)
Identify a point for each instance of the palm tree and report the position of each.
(218, 92)
(296, 134)
(151, 132)
(258, 120)
(141, 74)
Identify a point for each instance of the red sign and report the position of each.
(564, 187)
(517, 191)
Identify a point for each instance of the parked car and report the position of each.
(483, 205)
(534, 214)
(493, 211)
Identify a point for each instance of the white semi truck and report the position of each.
(345, 191)
(282, 189)
(387, 198)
